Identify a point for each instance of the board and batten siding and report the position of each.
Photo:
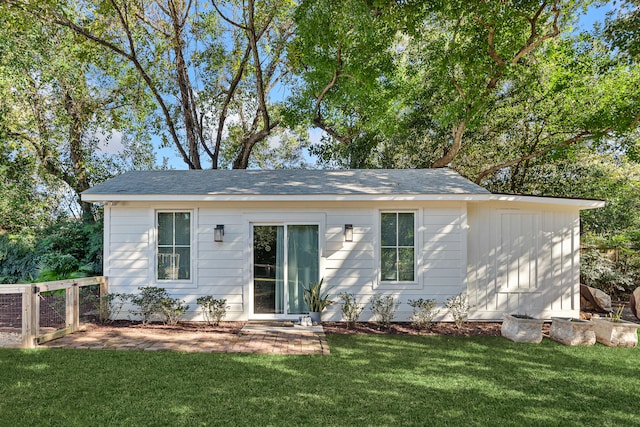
(523, 260)
(223, 269)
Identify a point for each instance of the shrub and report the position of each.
(351, 310)
(111, 305)
(172, 310)
(423, 312)
(458, 306)
(149, 302)
(599, 271)
(214, 309)
(384, 308)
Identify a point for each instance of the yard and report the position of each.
(367, 380)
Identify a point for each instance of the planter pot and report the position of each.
(522, 330)
(615, 334)
(315, 317)
(572, 331)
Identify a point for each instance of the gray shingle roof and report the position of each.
(288, 182)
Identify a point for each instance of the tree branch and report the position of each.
(577, 138)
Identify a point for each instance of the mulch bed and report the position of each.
(224, 327)
(405, 328)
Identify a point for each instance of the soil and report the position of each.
(223, 327)
(468, 329)
(405, 328)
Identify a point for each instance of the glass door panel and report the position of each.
(268, 269)
(302, 264)
(283, 254)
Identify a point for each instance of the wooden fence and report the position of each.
(31, 312)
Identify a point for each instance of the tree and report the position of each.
(622, 29)
(58, 107)
(201, 64)
(573, 94)
(342, 53)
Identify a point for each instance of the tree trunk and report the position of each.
(456, 145)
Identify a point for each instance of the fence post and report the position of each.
(104, 289)
(72, 307)
(75, 290)
(28, 336)
(30, 316)
(104, 286)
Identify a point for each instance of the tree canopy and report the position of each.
(509, 94)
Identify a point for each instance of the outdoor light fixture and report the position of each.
(218, 232)
(348, 232)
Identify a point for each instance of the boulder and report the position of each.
(594, 299)
(634, 303)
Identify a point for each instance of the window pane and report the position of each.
(405, 229)
(405, 264)
(166, 264)
(388, 229)
(165, 228)
(388, 264)
(183, 262)
(183, 228)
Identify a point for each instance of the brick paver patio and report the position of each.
(254, 338)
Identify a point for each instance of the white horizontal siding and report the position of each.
(223, 269)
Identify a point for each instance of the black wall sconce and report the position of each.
(218, 233)
(348, 232)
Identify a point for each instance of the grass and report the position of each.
(367, 380)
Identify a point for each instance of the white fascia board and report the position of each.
(580, 203)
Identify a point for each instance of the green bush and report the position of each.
(65, 249)
(614, 277)
(423, 312)
(351, 310)
(111, 304)
(384, 308)
(172, 309)
(214, 310)
(458, 306)
(149, 302)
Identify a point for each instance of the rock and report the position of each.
(634, 303)
(572, 331)
(615, 334)
(522, 330)
(594, 299)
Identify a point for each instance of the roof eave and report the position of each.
(466, 197)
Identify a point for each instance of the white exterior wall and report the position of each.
(523, 260)
(224, 270)
(512, 257)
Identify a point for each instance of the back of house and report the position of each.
(257, 237)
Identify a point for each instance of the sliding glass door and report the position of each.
(285, 258)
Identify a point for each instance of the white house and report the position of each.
(254, 237)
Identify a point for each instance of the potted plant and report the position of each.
(569, 331)
(613, 331)
(315, 300)
(522, 328)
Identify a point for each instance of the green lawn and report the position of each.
(367, 380)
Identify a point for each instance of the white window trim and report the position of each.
(416, 283)
(174, 283)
